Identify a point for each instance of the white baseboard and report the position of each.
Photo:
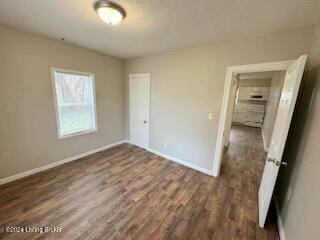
(266, 148)
(279, 221)
(184, 163)
(57, 163)
(81, 155)
(177, 160)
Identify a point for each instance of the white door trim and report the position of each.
(148, 129)
(250, 68)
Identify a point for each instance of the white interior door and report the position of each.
(139, 90)
(279, 136)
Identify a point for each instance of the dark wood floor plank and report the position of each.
(128, 193)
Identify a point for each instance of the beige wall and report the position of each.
(28, 134)
(300, 210)
(272, 107)
(315, 47)
(187, 85)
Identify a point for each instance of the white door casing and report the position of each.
(251, 68)
(231, 107)
(139, 97)
(279, 135)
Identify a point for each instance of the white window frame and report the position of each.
(67, 71)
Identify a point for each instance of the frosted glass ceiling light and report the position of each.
(109, 12)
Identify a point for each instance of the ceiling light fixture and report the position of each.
(109, 12)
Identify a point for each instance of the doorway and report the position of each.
(254, 99)
(292, 79)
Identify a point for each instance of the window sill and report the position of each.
(77, 133)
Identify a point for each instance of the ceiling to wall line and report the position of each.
(157, 26)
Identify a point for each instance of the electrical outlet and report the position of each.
(165, 144)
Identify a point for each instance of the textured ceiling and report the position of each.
(155, 26)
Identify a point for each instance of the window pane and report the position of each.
(75, 102)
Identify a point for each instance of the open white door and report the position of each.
(139, 90)
(279, 135)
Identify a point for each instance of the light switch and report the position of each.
(210, 116)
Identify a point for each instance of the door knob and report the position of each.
(144, 121)
(283, 163)
(271, 160)
(276, 162)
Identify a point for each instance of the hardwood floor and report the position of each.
(128, 193)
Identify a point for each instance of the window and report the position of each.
(75, 102)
